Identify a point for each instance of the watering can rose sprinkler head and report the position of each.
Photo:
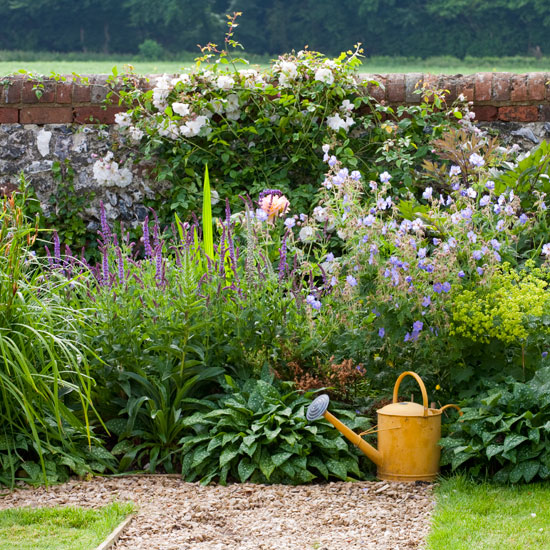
(408, 435)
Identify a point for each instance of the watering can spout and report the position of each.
(318, 409)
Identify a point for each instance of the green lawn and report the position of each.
(59, 528)
(435, 65)
(484, 516)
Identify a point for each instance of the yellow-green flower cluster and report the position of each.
(501, 311)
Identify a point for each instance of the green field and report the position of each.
(436, 65)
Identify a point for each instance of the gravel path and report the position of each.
(174, 515)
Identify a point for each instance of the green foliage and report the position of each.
(258, 432)
(151, 49)
(67, 206)
(509, 310)
(45, 383)
(505, 432)
(150, 337)
(255, 130)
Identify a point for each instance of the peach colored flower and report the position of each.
(274, 205)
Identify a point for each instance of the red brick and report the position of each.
(536, 86)
(413, 83)
(395, 88)
(9, 115)
(519, 113)
(466, 87)
(82, 93)
(501, 86)
(64, 93)
(544, 113)
(96, 115)
(518, 90)
(46, 115)
(483, 86)
(485, 112)
(431, 81)
(13, 91)
(377, 92)
(448, 83)
(32, 89)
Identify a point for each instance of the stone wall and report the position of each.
(67, 120)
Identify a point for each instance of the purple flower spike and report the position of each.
(146, 238)
(120, 265)
(56, 248)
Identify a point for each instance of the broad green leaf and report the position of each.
(513, 440)
(228, 455)
(245, 469)
(266, 464)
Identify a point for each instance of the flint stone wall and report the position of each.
(70, 123)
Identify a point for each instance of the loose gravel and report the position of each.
(175, 515)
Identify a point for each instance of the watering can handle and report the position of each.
(420, 383)
(453, 406)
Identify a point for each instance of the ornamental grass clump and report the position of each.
(48, 418)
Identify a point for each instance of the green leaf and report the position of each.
(337, 468)
(245, 469)
(266, 464)
(513, 440)
(280, 458)
(228, 455)
(207, 234)
(527, 470)
(493, 450)
(316, 462)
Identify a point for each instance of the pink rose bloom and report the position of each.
(274, 205)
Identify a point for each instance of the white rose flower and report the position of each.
(123, 120)
(225, 82)
(135, 134)
(289, 68)
(182, 109)
(324, 75)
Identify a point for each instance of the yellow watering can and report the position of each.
(408, 434)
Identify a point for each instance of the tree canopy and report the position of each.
(384, 27)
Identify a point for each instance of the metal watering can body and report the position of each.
(408, 435)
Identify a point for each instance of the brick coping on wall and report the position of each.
(496, 96)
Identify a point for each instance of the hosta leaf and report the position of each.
(279, 458)
(459, 459)
(229, 438)
(526, 470)
(316, 462)
(215, 442)
(255, 401)
(272, 434)
(201, 455)
(493, 450)
(266, 464)
(267, 391)
(245, 469)
(337, 468)
(513, 440)
(228, 455)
